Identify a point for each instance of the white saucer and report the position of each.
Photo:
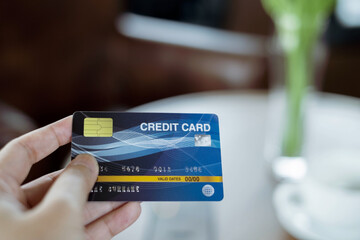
(290, 210)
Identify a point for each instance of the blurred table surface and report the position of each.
(246, 211)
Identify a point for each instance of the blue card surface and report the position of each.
(151, 156)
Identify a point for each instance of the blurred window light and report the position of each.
(348, 13)
(188, 35)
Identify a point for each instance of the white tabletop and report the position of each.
(246, 211)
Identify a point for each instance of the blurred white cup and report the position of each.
(331, 191)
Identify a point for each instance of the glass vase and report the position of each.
(298, 24)
(292, 87)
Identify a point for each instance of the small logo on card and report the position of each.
(208, 190)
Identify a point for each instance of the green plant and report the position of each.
(298, 24)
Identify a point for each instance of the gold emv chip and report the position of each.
(98, 127)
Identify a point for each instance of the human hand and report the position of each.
(55, 205)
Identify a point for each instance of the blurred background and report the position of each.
(57, 57)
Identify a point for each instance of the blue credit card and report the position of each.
(151, 156)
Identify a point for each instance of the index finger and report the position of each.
(17, 157)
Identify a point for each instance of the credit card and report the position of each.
(151, 156)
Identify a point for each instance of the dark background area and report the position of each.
(57, 57)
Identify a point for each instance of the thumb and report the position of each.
(75, 182)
